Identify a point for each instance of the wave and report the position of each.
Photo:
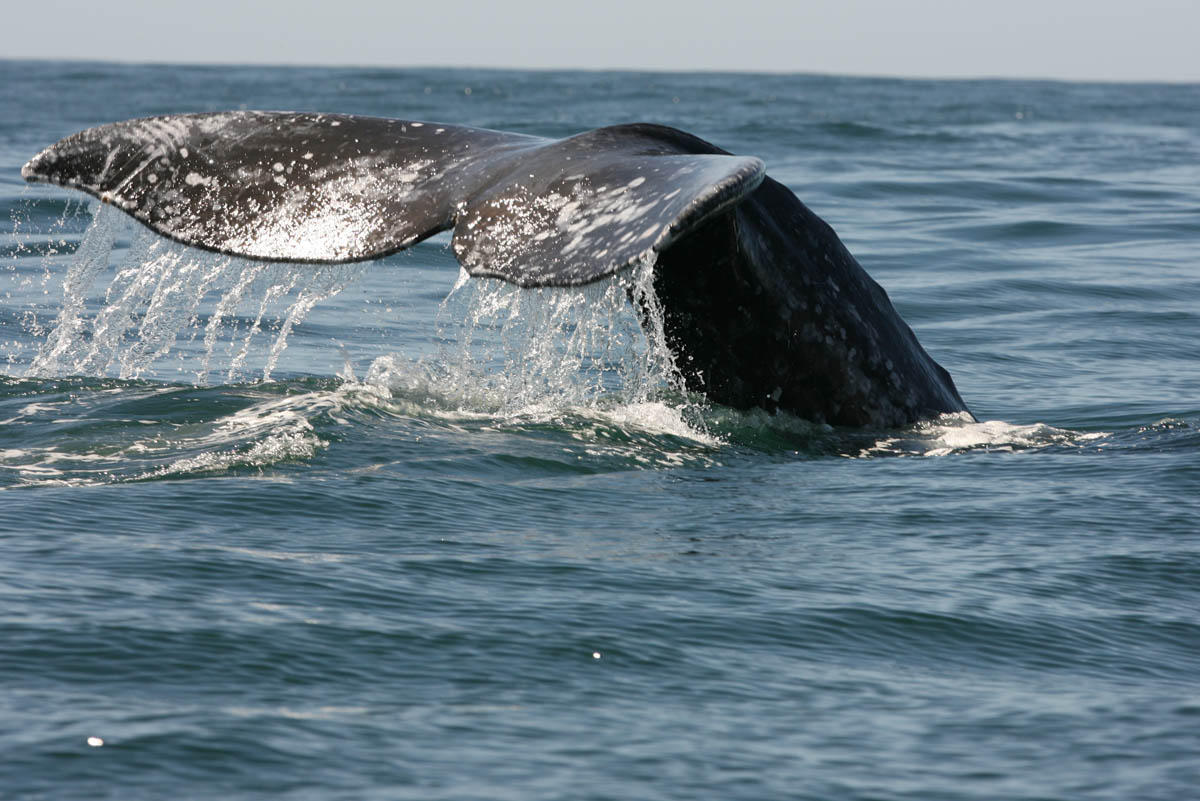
(80, 431)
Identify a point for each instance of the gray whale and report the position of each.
(762, 304)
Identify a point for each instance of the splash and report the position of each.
(164, 296)
(566, 357)
(585, 359)
(129, 306)
(516, 351)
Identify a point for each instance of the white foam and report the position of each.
(660, 418)
(278, 447)
(263, 434)
(958, 433)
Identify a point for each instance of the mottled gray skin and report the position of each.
(762, 304)
(835, 350)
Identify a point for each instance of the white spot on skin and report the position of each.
(183, 151)
(194, 178)
(152, 178)
(308, 156)
(277, 167)
(335, 124)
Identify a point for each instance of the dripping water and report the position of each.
(514, 351)
(132, 300)
(164, 297)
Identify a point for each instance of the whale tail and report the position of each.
(295, 187)
(762, 304)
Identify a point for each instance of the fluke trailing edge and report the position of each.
(762, 304)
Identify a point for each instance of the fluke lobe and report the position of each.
(762, 304)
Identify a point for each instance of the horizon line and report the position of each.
(866, 75)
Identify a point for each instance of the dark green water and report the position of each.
(392, 550)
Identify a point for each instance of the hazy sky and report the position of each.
(1074, 39)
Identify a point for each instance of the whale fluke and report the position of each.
(762, 304)
(285, 186)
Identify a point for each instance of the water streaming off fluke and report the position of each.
(211, 312)
(508, 348)
(135, 305)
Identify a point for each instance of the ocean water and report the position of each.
(371, 531)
